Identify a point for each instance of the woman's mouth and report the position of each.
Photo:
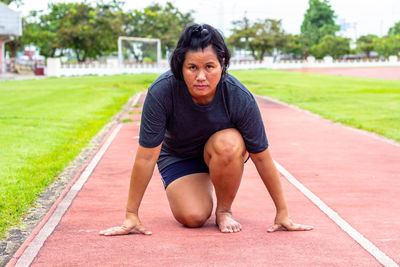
(201, 87)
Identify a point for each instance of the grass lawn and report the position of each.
(369, 104)
(44, 124)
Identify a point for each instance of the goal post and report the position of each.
(139, 49)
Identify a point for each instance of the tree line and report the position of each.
(91, 31)
(318, 37)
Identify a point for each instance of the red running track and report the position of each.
(354, 173)
(389, 73)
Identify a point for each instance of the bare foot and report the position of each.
(226, 223)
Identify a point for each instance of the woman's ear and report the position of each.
(223, 66)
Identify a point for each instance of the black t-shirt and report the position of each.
(170, 116)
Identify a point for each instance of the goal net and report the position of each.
(138, 50)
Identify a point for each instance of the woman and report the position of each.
(200, 125)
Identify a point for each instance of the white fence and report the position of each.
(327, 62)
(111, 67)
(56, 69)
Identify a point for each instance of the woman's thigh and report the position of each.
(190, 199)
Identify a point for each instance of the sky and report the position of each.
(360, 17)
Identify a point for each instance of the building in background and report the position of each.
(10, 27)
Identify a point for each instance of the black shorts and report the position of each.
(183, 168)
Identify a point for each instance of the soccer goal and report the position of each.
(138, 50)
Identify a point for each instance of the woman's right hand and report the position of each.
(131, 222)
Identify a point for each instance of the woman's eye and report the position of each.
(192, 67)
(210, 67)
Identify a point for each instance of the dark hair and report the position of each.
(194, 38)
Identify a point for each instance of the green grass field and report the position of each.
(369, 104)
(44, 124)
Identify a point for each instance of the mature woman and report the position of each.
(200, 125)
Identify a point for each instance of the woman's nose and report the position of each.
(201, 76)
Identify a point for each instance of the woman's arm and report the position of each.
(142, 172)
(270, 176)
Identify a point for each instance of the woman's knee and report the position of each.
(227, 145)
(193, 219)
(190, 199)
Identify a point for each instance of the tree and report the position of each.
(319, 20)
(395, 30)
(292, 45)
(13, 46)
(260, 37)
(89, 31)
(155, 21)
(109, 22)
(388, 45)
(241, 33)
(268, 34)
(41, 29)
(365, 43)
(331, 45)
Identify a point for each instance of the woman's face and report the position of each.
(202, 71)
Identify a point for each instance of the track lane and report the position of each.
(353, 172)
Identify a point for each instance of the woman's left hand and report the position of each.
(285, 223)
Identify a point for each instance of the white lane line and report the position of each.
(33, 248)
(353, 233)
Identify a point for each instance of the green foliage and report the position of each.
(141, 51)
(155, 21)
(13, 46)
(241, 35)
(45, 124)
(395, 30)
(268, 35)
(334, 46)
(388, 45)
(41, 29)
(17, 2)
(365, 43)
(369, 104)
(319, 20)
(292, 45)
(260, 37)
(92, 31)
(89, 31)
